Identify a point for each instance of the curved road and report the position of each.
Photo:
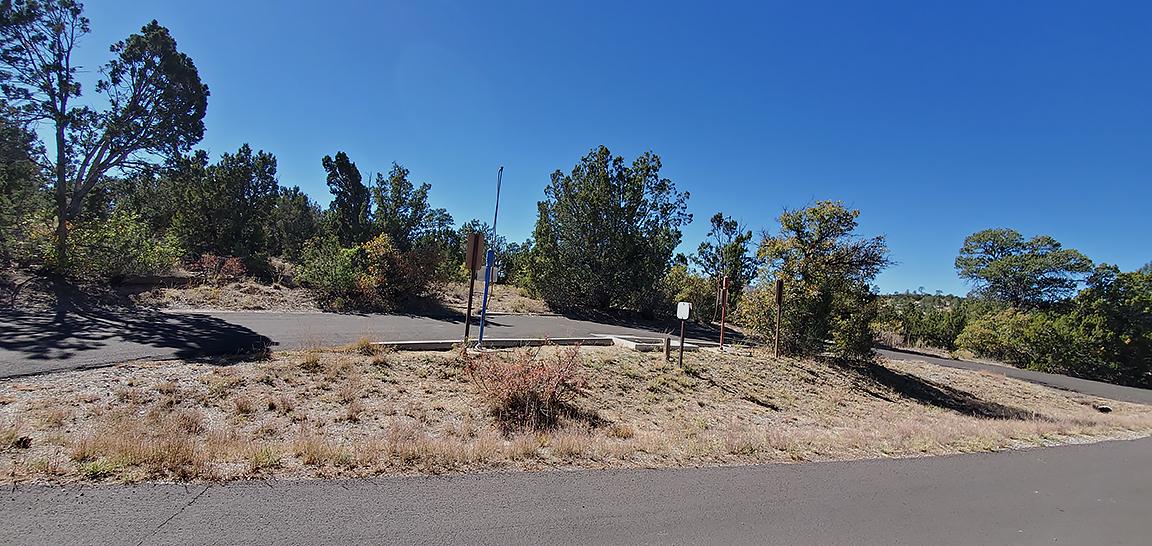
(1088, 494)
(1063, 382)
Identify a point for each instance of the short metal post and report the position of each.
(682, 344)
(488, 259)
(723, 310)
(779, 306)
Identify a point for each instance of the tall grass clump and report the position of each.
(525, 390)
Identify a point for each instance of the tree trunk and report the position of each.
(61, 198)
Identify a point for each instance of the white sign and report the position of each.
(682, 310)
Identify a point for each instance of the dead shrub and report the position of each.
(131, 395)
(315, 450)
(364, 346)
(243, 405)
(525, 391)
(351, 390)
(621, 431)
(10, 434)
(55, 416)
(282, 404)
(310, 362)
(190, 421)
(353, 410)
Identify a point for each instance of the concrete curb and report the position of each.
(505, 343)
(635, 343)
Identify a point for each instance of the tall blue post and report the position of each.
(488, 259)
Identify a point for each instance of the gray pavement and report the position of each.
(1085, 386)
(1087, 494)
(36, 343)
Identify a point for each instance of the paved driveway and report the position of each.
(36, 343)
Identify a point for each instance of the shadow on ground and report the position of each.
(68, 319)
(934, 394)
(667, 325)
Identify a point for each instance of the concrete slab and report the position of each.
(490, 343)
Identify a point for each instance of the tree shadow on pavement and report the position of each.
(935, 394)
(75, 319)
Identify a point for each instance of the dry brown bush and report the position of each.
(525, 391)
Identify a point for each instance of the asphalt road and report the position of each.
(1087, 494)
(37, 343)
(1086, 386)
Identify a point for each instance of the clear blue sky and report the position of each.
(936, 119)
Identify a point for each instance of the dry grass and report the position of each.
(354, 412)
(503, 298)
(247, 295)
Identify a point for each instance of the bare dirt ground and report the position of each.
(355, 412)
(27, 292)
(249, 295)
(246, 295)
(503, 298)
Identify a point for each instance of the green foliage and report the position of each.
(1113, 316)
(375, 276)
(155, 100)
(332, 270)
(827, 272)
(606, 232)
(516, 262)
(351, 203)
(1106, 333)
(120, 246)
(294, 220)
(925, 320)
(510, 258)
(403, 213)
(680, 284)
(20, 182)
(726, 254)
(226, 208)
(1029, 273)
(392, 276)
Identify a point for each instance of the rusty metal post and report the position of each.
(475, 243)
(723, 309)
(779, 305)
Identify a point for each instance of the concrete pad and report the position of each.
(490, 343)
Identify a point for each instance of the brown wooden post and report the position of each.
(723, 309)
(472, 258)
(779, 305)
(667, 348)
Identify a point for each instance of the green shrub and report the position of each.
(680, 284)
(374, 276)
(119, 246)
(331, 270)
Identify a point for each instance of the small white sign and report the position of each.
(682, 310)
